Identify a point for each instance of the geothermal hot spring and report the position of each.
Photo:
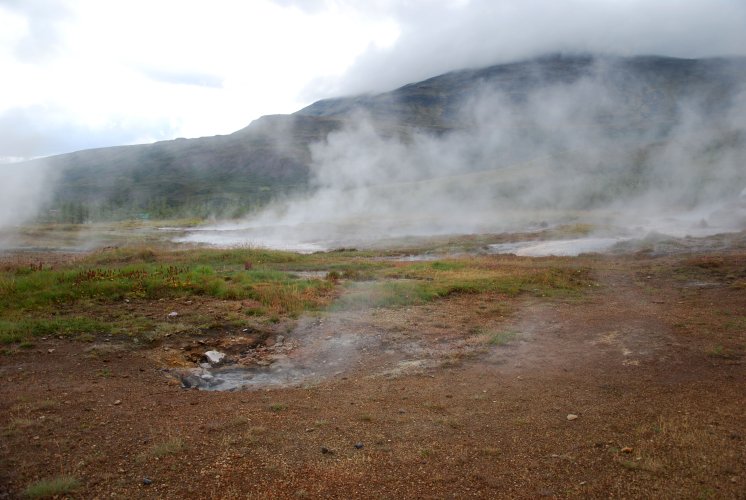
(321, 348)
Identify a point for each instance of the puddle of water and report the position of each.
(423, 257)
(702, 284)
(417, 258)
(227, 238)
(322, 352)
(310, 275)
(560, 248)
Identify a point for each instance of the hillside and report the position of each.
(233, 174)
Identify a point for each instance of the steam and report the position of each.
(585, 151)
(24, 191)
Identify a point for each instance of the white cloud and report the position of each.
(195, 68)
(203, 68)
(439, 37)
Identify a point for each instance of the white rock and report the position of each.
(173, 314)
(214, 357)
(572, 417)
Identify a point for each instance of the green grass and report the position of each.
(417, 283)
(48, 488)
(37, 300)
(501, 338)
(89, 296)
(144, 273)
(18, 331)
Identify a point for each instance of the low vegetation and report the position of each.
(49, 488)
(91, 296)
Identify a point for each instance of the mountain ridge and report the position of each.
(232, 174)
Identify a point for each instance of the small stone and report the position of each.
(214, 357)
(627, 449)
(359, 446)
(572, 417)
(50, 351)
(118, 402)
(326, 451)
(147, 481)
(310, 429)
(173, 314)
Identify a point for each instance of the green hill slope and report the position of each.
(233, 174)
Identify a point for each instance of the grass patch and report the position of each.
(17, 425)
(102, 294)
(501, 338)
(277, 407)
(721, 352)
(32, 296)
(48, 488)
(170, 447)
(22, 330)
(156, 280)
(421, 282)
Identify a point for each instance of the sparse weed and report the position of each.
(170, 447)
(48, 488)
(501, 338)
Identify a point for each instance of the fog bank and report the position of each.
(585, 150)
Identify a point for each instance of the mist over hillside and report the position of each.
(646, 144)
(485, 149)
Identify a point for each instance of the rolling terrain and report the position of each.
(447, 356)
(640, 103)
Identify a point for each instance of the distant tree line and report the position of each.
(162, 207)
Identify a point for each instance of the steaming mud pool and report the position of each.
(334, 344)
(315, 350)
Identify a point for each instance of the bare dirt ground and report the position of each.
(650, 360)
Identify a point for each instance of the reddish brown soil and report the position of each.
(650, 360)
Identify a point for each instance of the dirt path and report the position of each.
(619, 325)
(439, 412)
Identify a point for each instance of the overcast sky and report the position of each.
(76, 74)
